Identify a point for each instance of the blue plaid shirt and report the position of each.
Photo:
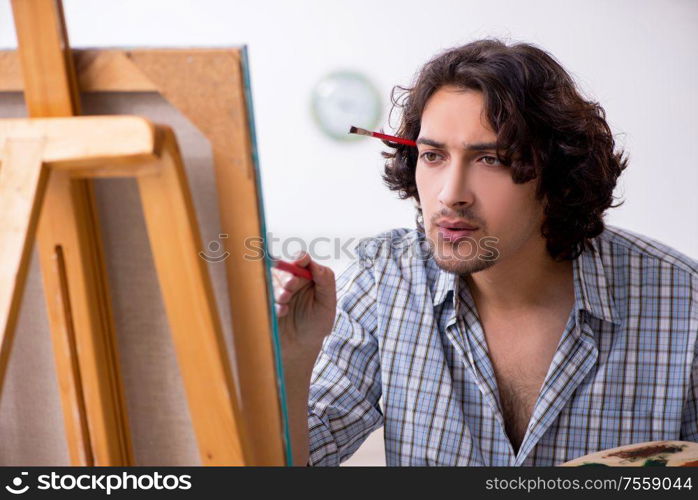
(408, 352)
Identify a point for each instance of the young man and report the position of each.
(512, 326)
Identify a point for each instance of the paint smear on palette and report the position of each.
(655, 462)
(649, 454)
(646, 452)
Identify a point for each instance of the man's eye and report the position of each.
(430, 156)
(490, 160)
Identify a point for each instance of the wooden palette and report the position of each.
(649, 454)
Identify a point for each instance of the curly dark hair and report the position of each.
(545, 130)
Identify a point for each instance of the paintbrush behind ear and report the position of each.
(392, 138)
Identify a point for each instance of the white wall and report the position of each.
(638, 58)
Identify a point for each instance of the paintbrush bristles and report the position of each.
(360, 131)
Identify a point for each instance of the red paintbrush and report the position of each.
(392, 138)
(294, 269)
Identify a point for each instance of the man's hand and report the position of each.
(306, 311)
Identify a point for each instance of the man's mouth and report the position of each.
(454, 234)
(455, 224)
(453, 230)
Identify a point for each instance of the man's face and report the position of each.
(461, 183)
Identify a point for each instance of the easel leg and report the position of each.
(191, 309)
(23, 180)
(73, 272)
(79, 312)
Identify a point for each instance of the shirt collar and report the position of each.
(592, 291)
(445, 282)
(591, 288)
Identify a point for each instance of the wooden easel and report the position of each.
(45, 183)
(36, 151)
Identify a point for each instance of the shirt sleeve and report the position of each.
(689, 421)
(345, 385)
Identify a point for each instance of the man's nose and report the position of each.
(456, 186)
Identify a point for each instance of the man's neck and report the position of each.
(529, 279)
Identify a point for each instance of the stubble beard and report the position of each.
(462, 257)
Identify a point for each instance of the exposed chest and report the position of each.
(521, 353)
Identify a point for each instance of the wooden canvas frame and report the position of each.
(210, 88)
